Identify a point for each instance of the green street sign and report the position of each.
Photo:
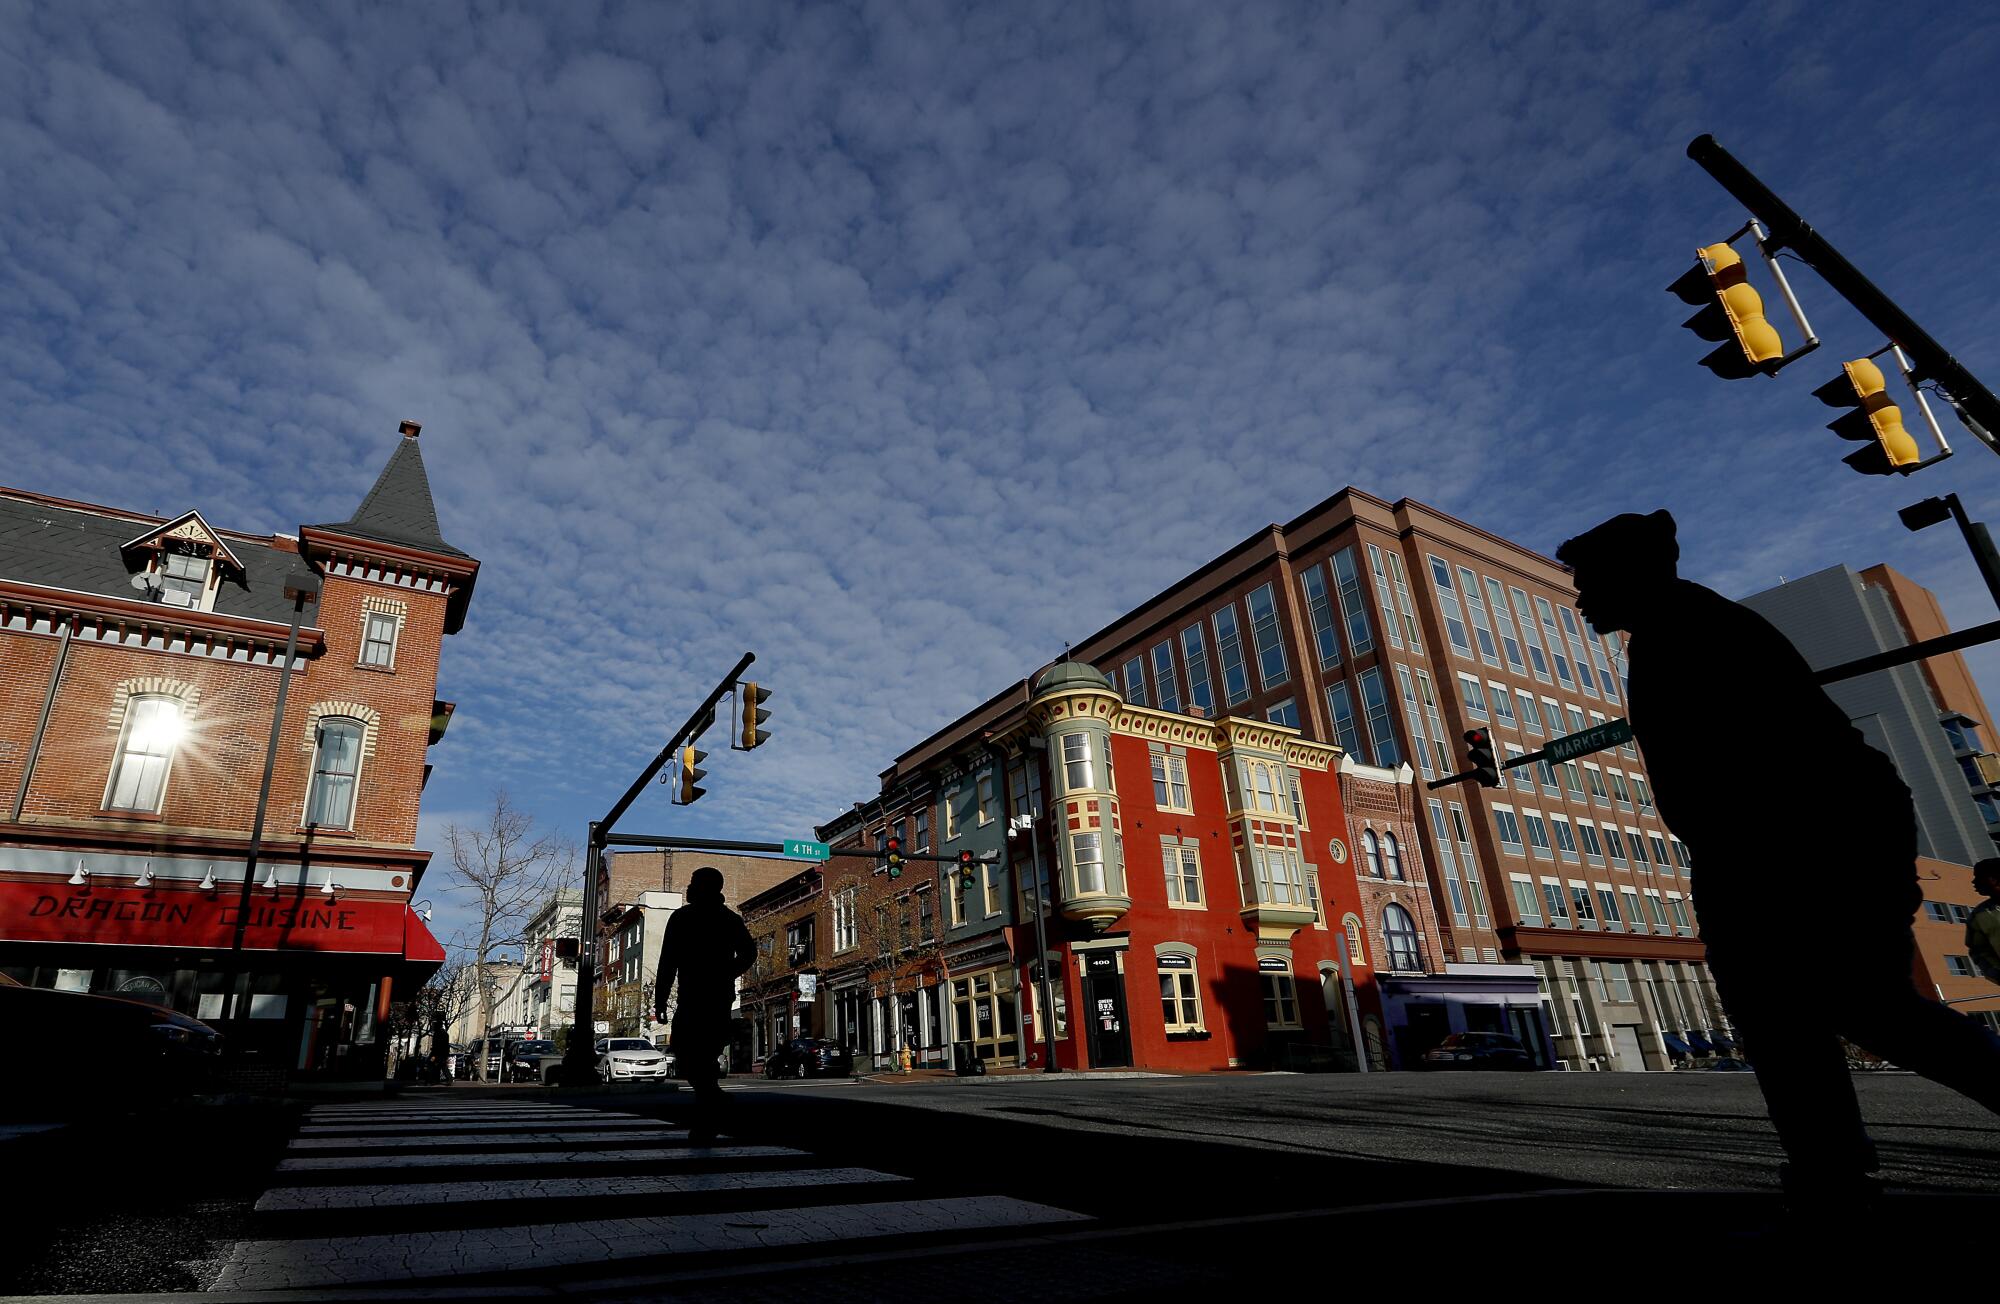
(803, 850)
(1594, 739)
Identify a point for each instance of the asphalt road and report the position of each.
(1184, 1175)
(1657, 1131)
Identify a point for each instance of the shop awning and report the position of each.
(1699, 1042)
(1675, 1046)
(1721, 1042)
(187, 918)
(419, 947)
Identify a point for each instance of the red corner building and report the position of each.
(140, 667)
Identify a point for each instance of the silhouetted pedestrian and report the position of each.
(1710, 680)
(1982, 930)
(706, 949)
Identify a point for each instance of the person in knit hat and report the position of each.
(1712, 688)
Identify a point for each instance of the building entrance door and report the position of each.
(1626, 1038)
(1104, 1004)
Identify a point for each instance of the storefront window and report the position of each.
(984, 1013)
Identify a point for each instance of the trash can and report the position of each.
(965, 1061)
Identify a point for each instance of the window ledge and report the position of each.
(150, 816)
(375, 670)
(322, 831)
(1193, 1034)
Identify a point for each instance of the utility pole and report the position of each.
(578, 1067)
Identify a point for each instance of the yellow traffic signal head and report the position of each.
(1733, 314)
(1891, 449)
(692, 774)
(751, 701)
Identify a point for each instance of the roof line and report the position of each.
(127, 514)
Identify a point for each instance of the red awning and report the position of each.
(190, 919)
(419, 947)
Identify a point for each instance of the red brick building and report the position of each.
(140, 665)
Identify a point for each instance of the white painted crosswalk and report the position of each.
(417, 1191)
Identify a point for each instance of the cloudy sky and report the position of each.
(901, 345)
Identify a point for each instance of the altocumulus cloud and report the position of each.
(902, 344)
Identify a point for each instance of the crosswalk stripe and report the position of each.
(483, 1125)
(351, 1260)
(639, 1155)
(373, 1110)
(286, 1198)
(643, 1127)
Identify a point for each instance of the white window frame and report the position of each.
(119, 757)
(846, 935)
(1087, 761)
(983, 790)
(368, 619)
(360, 763)
(1170, 776)
(1182, 861)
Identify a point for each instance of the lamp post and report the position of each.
(301, 590)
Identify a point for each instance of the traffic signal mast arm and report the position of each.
(1975, 404)
(1597, 738)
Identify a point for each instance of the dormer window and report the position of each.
(183, 578)
(182, 563)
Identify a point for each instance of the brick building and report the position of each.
(1930, 718)
(1558, 906)
(140, 661)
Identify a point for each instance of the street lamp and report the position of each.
(301, 590)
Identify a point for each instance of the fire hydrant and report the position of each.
(904, 1059)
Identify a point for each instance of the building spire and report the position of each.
(399, 508)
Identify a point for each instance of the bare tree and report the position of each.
(508, 872)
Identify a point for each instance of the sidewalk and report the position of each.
(891, 1079)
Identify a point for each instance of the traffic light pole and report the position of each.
(579, 1064)
(1975, 404)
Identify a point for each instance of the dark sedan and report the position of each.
(72, 1042)
(1478, 1050)
(810, 1057)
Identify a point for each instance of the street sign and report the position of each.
(602, 1027)
(800, 849)
(1594, 739)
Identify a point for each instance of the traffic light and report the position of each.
(966, 873)
(1479, 757)
(1891, 450)
(892, 856)
(1733, 314)
(750, 698)
(692, 774)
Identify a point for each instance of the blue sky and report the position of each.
(901, 344)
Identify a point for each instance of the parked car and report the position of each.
(534, 1061)
(468, 1062)
(1478, 1050)
(810, 1057)
(632, 1059)
(133, 1047)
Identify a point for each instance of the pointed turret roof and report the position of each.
(399, 508)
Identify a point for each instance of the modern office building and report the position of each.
(1930, 718)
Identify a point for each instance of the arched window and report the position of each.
(336, 767)
(1371, 853)
(1355, 953)
(1401, 931)
(1392, 857)
(153, 727)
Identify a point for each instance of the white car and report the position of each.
(632, 1059)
